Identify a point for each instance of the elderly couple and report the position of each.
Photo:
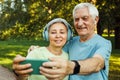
(83, 57)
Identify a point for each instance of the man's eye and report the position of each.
(76, 19)
(85, 18)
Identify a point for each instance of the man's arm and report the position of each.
(64, 67)
(91, 65)
(88, 66)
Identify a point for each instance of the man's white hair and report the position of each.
(92, 9)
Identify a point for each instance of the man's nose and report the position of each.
(80, 22)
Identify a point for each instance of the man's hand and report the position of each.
(57, 68)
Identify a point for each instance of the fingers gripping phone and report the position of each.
(35, 64)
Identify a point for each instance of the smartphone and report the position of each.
(35, 64)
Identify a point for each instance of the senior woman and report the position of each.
(58, 31)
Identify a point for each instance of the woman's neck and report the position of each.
(55, 50)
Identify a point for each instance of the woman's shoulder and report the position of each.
(40, 49)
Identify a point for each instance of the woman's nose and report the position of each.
(57, 35)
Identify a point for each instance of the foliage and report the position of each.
(25, 19)
(109, 12)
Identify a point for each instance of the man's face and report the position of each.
(84, 23)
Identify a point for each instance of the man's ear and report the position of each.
(96, 20)
(95, 23)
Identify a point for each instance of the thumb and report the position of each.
(18, 59)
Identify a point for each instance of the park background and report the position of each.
(22, 23)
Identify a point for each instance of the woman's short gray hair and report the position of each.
(57, 20)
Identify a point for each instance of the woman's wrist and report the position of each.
(23, 78)
(19, 77)
(15, 73)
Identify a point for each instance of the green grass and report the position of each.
(9, 49)
(115, 65)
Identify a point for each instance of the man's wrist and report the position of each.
(76, 68)
(70, 67)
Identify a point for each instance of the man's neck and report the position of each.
(86, 38)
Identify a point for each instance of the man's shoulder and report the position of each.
(75, 38)
(101, 39)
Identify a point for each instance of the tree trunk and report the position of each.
(117, 38)
(99, 29)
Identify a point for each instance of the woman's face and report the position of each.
(58, 35)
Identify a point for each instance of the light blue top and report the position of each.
(82, 50)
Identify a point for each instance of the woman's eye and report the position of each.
(62, 32)
(53, 32)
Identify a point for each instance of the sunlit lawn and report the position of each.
(9, 49)
(115, 65)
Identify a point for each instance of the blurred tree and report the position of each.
(26, 18)
(106, 17)
(116, 13)
(109, 18)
